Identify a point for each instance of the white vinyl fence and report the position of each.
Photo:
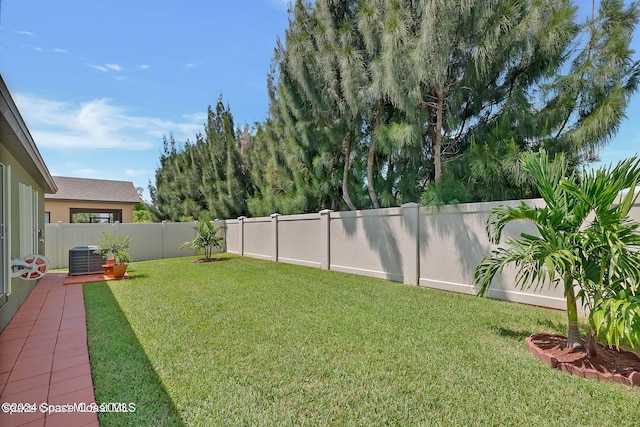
(148, 241)
(435, 247)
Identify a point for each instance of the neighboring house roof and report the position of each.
(93, 190)
(17, 140)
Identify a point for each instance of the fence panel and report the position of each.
(258, 238)
(453, 240)
(148, 241)
(436, 247)
(366, 243)
(232, 236)
(300, 239)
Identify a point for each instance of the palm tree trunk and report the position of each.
(573, 336)
(591, 346)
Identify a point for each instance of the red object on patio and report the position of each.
(44, 358)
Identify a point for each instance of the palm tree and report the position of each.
(208, 238)
(583, 240)
(608, 273)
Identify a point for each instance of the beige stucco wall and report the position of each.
(59, 211)
(20, 288)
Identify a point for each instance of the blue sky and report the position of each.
(100, 82)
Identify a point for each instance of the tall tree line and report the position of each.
(207, 177)
(374, 103)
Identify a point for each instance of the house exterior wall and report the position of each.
(20, 288)
(59, 210)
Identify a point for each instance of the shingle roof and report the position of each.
(94, 190)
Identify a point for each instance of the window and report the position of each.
(28, 206)
(95, 216)
(47, 217)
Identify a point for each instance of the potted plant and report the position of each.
(115, 246)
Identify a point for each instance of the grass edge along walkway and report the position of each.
(250, 342)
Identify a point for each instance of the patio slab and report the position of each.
(44, 358)
(90, 278)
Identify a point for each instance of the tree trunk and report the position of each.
(437, 142)
(573, 337)
(371, 158)
(591, 346)
(591, 343)
(345, 174)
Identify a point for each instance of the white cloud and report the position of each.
(38, 49)
(106, 68)
(99, 68)
(98, 124)
(134, 173)
(190, 65)
(60, 50)
(143, 67)
(195, 117)
(26, 33)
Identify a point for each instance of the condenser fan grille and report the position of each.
(85, 260)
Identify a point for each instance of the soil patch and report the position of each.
(199, 260)
(609, 364)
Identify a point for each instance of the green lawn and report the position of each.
(254, 343)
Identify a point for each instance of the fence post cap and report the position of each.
(411, 205)
(325, 211)
(274, 215)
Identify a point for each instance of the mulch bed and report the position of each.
(609, 364)
(207, 260)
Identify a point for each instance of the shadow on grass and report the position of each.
(135, 275)
(517, 335)
(120, 368)
(555, 326)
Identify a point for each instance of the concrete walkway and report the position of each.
(44, 359)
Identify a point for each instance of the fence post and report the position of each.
(241, 232)
(60, 256)
(163, 229)
(274, 236)
(410, 243)
(325, 239)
